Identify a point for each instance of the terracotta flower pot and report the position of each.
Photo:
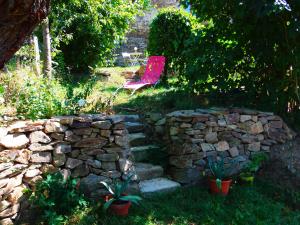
(119, 208)
(225, 185)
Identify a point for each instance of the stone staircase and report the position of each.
(151, 177)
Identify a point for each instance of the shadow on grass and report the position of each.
(244, 205)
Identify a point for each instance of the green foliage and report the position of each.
(86, 32)
(57, 198)
(40, 98)
(256, 162)
(251, 47)
(259, 204)
(169, 32)
(117, 191)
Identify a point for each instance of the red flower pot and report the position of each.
(119, 208)
(224, 186)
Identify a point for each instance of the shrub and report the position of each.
(169, 32)
(250, 47)
(41, 98)
(57, 198)
(86, 32)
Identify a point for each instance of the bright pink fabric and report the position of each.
(154, 69)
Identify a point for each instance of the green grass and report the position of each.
(261, 204)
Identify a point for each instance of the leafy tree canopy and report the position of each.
(87, 31)
(248, 44)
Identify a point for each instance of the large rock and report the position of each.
(16, 141)
(91, 183)
(181, 161)
(121, 141)
(4, 205)
(254, 147)
(207, 147)
(233, 151)
(72, 163)
(185, 176)
(62, 148)
(59, 159)
(4, 166)
(54, 127)
(6, 221)
(158, 185)
(111, 157)
(12, 171)
(17, 195)
(81, 171)
(3, 132)
(94, 163)
(83, 131)
(32, 173)
(37, 147)
(91, 143)
(105, 125)
(41, 157)
(211, 137)
(146, 171)
(10, 211)
(39, 137)
(256, 128)
(245, 118)
(222, 146)
(109, 166)
(71, 137)
(26, 126)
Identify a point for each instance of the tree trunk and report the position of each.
(47, 49)
(37, 58)
(18, 18)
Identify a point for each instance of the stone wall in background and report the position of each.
(91, 147)
(191, 136)
(138, 36)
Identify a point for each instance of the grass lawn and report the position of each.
(262, 204)
(162, 98)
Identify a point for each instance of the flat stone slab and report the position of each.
(146, 171)
(134, 127)
(141, 153)
(157, 185)
(137, 139)
(131, 118)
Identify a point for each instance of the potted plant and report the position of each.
(248, 173)
(219, 182)
(118, 202)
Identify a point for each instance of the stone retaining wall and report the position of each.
(91, 147)
(191, 136)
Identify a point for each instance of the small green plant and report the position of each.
(117, 190)
(219, 171)
(57, 198)
(252, 167)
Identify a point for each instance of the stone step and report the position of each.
(157, 185)
(131, 118)
(146, 171)
(134, 127)
(137, 139)
(142, 153)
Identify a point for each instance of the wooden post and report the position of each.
(47, 49)
(37, 67)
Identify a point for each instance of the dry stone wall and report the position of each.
(139, 30)
(191, 136)
(90, 147)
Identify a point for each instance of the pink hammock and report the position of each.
(154, 69)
